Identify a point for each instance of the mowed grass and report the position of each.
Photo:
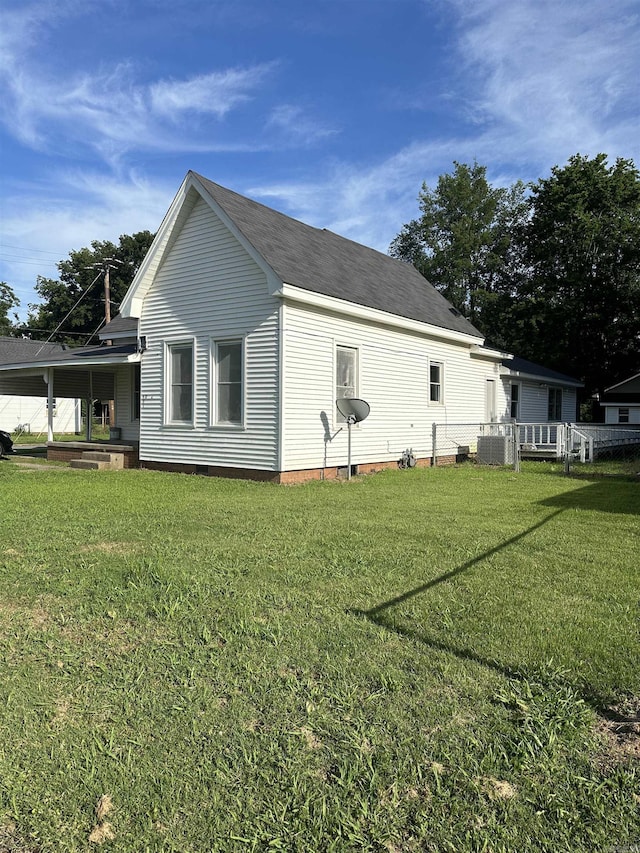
(419, 660)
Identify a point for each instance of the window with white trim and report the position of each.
(515, 401)
(229, 384)
(623, 416)
(346, 375)
(436, 371)
(554, 410)
(180, 383)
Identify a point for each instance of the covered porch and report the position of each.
(99, 373)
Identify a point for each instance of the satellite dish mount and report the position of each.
(353, 410)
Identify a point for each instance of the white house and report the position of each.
(621, 402)
(243, 326)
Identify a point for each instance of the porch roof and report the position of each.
(94, 356)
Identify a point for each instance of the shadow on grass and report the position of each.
(380, 615)
(604, 495)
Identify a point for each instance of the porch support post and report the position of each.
(49, 381)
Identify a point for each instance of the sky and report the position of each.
(332, 111)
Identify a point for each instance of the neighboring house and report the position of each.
(20, 412)
(243, 326)
(621, 402)
(536, 394)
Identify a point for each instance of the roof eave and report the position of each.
(39, 366)
(363, 312)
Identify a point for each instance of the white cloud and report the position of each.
(111, 111)
(298, 127)
(545, 79)
(216, 93)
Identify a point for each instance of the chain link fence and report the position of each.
(571, 444)
(482, 443)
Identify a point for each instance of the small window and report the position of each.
(180, 358)
(346, 375)
(435, 382)
(623, 416)
(554, 412)
(229, 384)
(515, 401)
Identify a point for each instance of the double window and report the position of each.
(623, 416)
(554, 411)
(180, 383)
(229, 372)
(346, 375)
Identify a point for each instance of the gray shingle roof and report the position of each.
(521, 365)
(119, 324)
(323, 262)
(14, 350)
(37, 353)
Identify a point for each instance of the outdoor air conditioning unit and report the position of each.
(495, 450)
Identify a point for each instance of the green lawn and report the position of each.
(433, 660)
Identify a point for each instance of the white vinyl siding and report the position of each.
(533, 405)
(393, 373)
(31, 412)
(209, 289)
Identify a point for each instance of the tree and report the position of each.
(579, 308)
(464, 242)
(75, 302)
(8, 300)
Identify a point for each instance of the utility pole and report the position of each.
(106, 266)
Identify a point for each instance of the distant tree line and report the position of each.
(549, 271)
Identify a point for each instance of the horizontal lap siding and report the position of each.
(19, 411)
(535, 403)
(129, 428)
(393, 378)
(208, 289)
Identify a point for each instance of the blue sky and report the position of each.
(333, 111)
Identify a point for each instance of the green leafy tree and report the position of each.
(75, 301)
(8, 301)
(464, 243)
(579, 308)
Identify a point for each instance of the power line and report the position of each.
(71, 310)
(27, 249)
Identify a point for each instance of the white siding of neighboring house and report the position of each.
(31, 412)
(534, 401)
(208, 288)
(612, 413)
(393, 379)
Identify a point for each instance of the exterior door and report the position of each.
(490, 411)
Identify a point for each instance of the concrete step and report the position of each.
(91, 464)
(116, 460)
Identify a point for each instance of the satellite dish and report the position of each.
(354, 410)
